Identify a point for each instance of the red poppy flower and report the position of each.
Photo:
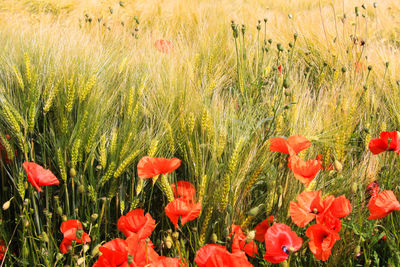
(280, 240)
(308, 205)
(388, 141)
(296, 142)
(149, 167)
(180, 208)
(73, 231)
(304, 171)
(330, 221)
(321, 240)
(167, 262)
(381, 205)
(3, 249)
(141, 250)
(340, 207)
(164, 46)
(38, 176)
(373, 189)
(217, 256)
(184, 190)
(239, 241)
(136, 222)
(114, 253)
(280, 69)
(130, 252)
(262, 228)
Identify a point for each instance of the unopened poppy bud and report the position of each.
(254, 211)
(270, 41)
(287, 93)
(387, 64)
(338, 166)
(59, 211)
(80, 261)
(250, 236)
(86, 247)
(111, 10)
(375, 4)
(25, 252)
(280, 47)
(64, 218)
(168, 242)
(344, 69)
(214, 238)
(291, 45)
(121, 3)
(398, 83)
(356, 11)
(94, 217)
(59, 256)
(243, 29)
(258, 27)
(26, 202)
(6, 205)
(81, 189)
(96, 250)
(290, 16)
(72, 172)
(136, 19)
(175, 235)
(44, 237)
(354, 187)
(286, 83)
(265, 20)
(357, 251)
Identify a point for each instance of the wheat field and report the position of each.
(87, 89)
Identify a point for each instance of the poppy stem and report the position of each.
(394, 228)
(151, 196)
(36, 213)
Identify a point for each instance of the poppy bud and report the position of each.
(338, 166)
(25, 252)
(287, 93)
(290, 16)
(80, 261)
(72, 172)
(136, 19)
(398, 83)
(354, 188)
(168, 242)
(6, 205)
(243, 29)
(254, 211)
(175, 235)
(121, 3)
(214, 238)
(369, 67)
(26, 202)
(60, 211)
(111, 10)
(344, 69)
(375, 4)
(94, 217)
(86, 247)
(295, 36)
(258, 27)
(59, 256)
(44, 237)
(357, 251)
(356, 11)
(387, 64)
(280, 47)
(64, 218)
(270, 41)
(81, 189)
(250, 236)
(96, 250)
(286, 83)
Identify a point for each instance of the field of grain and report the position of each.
(107, 106)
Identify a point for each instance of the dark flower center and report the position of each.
(315, 211)
(285, 249)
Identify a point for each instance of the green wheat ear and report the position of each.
(204, 226)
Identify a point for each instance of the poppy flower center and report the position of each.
(315, 211)
(285, 249)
